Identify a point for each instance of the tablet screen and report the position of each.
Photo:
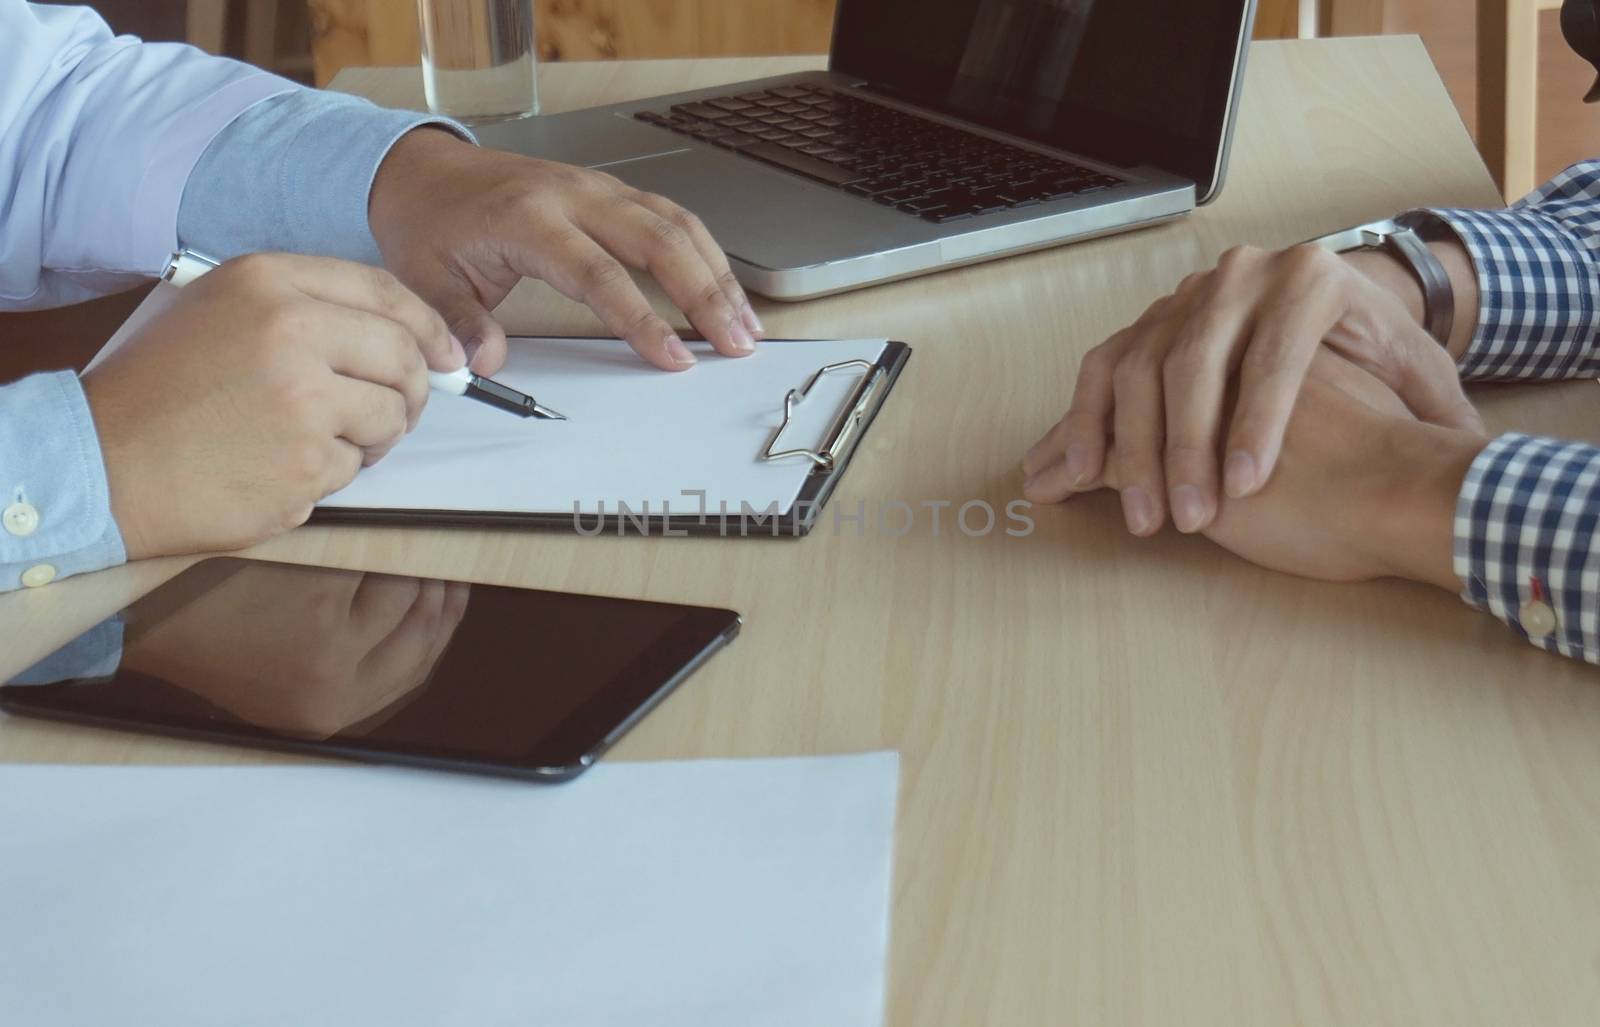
(377, 666)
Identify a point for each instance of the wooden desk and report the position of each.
(1143, 781)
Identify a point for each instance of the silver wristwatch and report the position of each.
(1406, 238)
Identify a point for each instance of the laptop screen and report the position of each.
(1127, 81)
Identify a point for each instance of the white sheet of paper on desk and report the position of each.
(696, 894)
(636, 435)
(160, 299)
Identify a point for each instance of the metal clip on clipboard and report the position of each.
(841, 431)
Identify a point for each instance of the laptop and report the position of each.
(944, 132)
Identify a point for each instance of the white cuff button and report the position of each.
(38, 574)
(20, 519)
(1538, 619)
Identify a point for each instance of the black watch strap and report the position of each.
(1410, 245)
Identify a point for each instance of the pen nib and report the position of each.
(503, 397)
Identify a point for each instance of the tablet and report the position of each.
(378, 667)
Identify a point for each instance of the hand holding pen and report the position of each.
(186, 265)
(231, 412)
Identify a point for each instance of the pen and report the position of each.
(186, 265)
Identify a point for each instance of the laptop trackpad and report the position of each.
(593, 141)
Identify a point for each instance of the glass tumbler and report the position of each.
(478, 60)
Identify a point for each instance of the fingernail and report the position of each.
(1239, 473)
(1077, 462)
(751, 321)
(1188, 508)
(457, 349)
(1138, 510)
(678, 351)
(741, 337)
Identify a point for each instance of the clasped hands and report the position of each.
(1286, 406)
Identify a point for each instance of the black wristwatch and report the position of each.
(1406, 238)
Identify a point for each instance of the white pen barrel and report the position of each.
(454, 382)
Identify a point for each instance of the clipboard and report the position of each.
(823, 460)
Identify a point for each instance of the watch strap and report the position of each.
(1409, 244)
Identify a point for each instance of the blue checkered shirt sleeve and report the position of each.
(1538, 265)
(1528, 511)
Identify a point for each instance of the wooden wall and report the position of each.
(356, 32)
(1277, 19)
(365, 32)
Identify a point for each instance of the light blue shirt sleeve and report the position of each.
(293, 174)
(55, 510)
(114, 153)
(98, 134)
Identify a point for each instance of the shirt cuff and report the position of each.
(1538, 286)
(178, 152)
(55, 505)
(1528, 510)
(293, 174)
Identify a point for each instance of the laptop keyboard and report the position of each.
(922, 167)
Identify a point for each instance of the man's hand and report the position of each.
(1363, 488)
(463, 225)
(1259, 318)
(265, 387)
(304, 654)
